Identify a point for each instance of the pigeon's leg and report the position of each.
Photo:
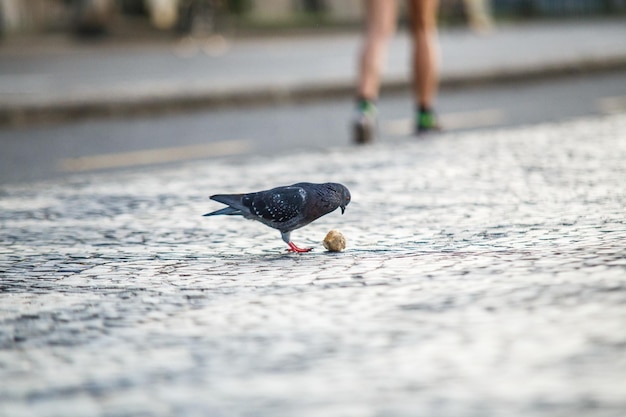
(292, 246)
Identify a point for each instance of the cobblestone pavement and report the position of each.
(485, 275)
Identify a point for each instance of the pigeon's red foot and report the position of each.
(294, 248)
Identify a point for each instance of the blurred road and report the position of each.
(485, 276)
(48, 151)
(59, 79)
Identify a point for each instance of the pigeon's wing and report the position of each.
(276, 206)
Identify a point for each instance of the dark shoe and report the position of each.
(427, 122)
(364, 128)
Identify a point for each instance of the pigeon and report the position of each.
(286, 208)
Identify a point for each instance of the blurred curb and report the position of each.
(133, 105)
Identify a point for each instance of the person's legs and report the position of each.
(423, 16)
(380, 22)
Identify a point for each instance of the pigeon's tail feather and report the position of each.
(229, 211)
(233, 201)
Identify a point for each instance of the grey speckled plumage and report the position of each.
(286, 208)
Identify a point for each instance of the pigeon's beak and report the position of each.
(343, 209)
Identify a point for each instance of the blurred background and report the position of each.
(89, 85)
(141, 17)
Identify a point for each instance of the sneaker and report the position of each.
(365, 123)
(426, 122)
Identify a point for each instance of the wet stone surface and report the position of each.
(484, 275)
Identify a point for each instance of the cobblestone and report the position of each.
(484, 275)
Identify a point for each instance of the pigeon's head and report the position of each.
(344, 196)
